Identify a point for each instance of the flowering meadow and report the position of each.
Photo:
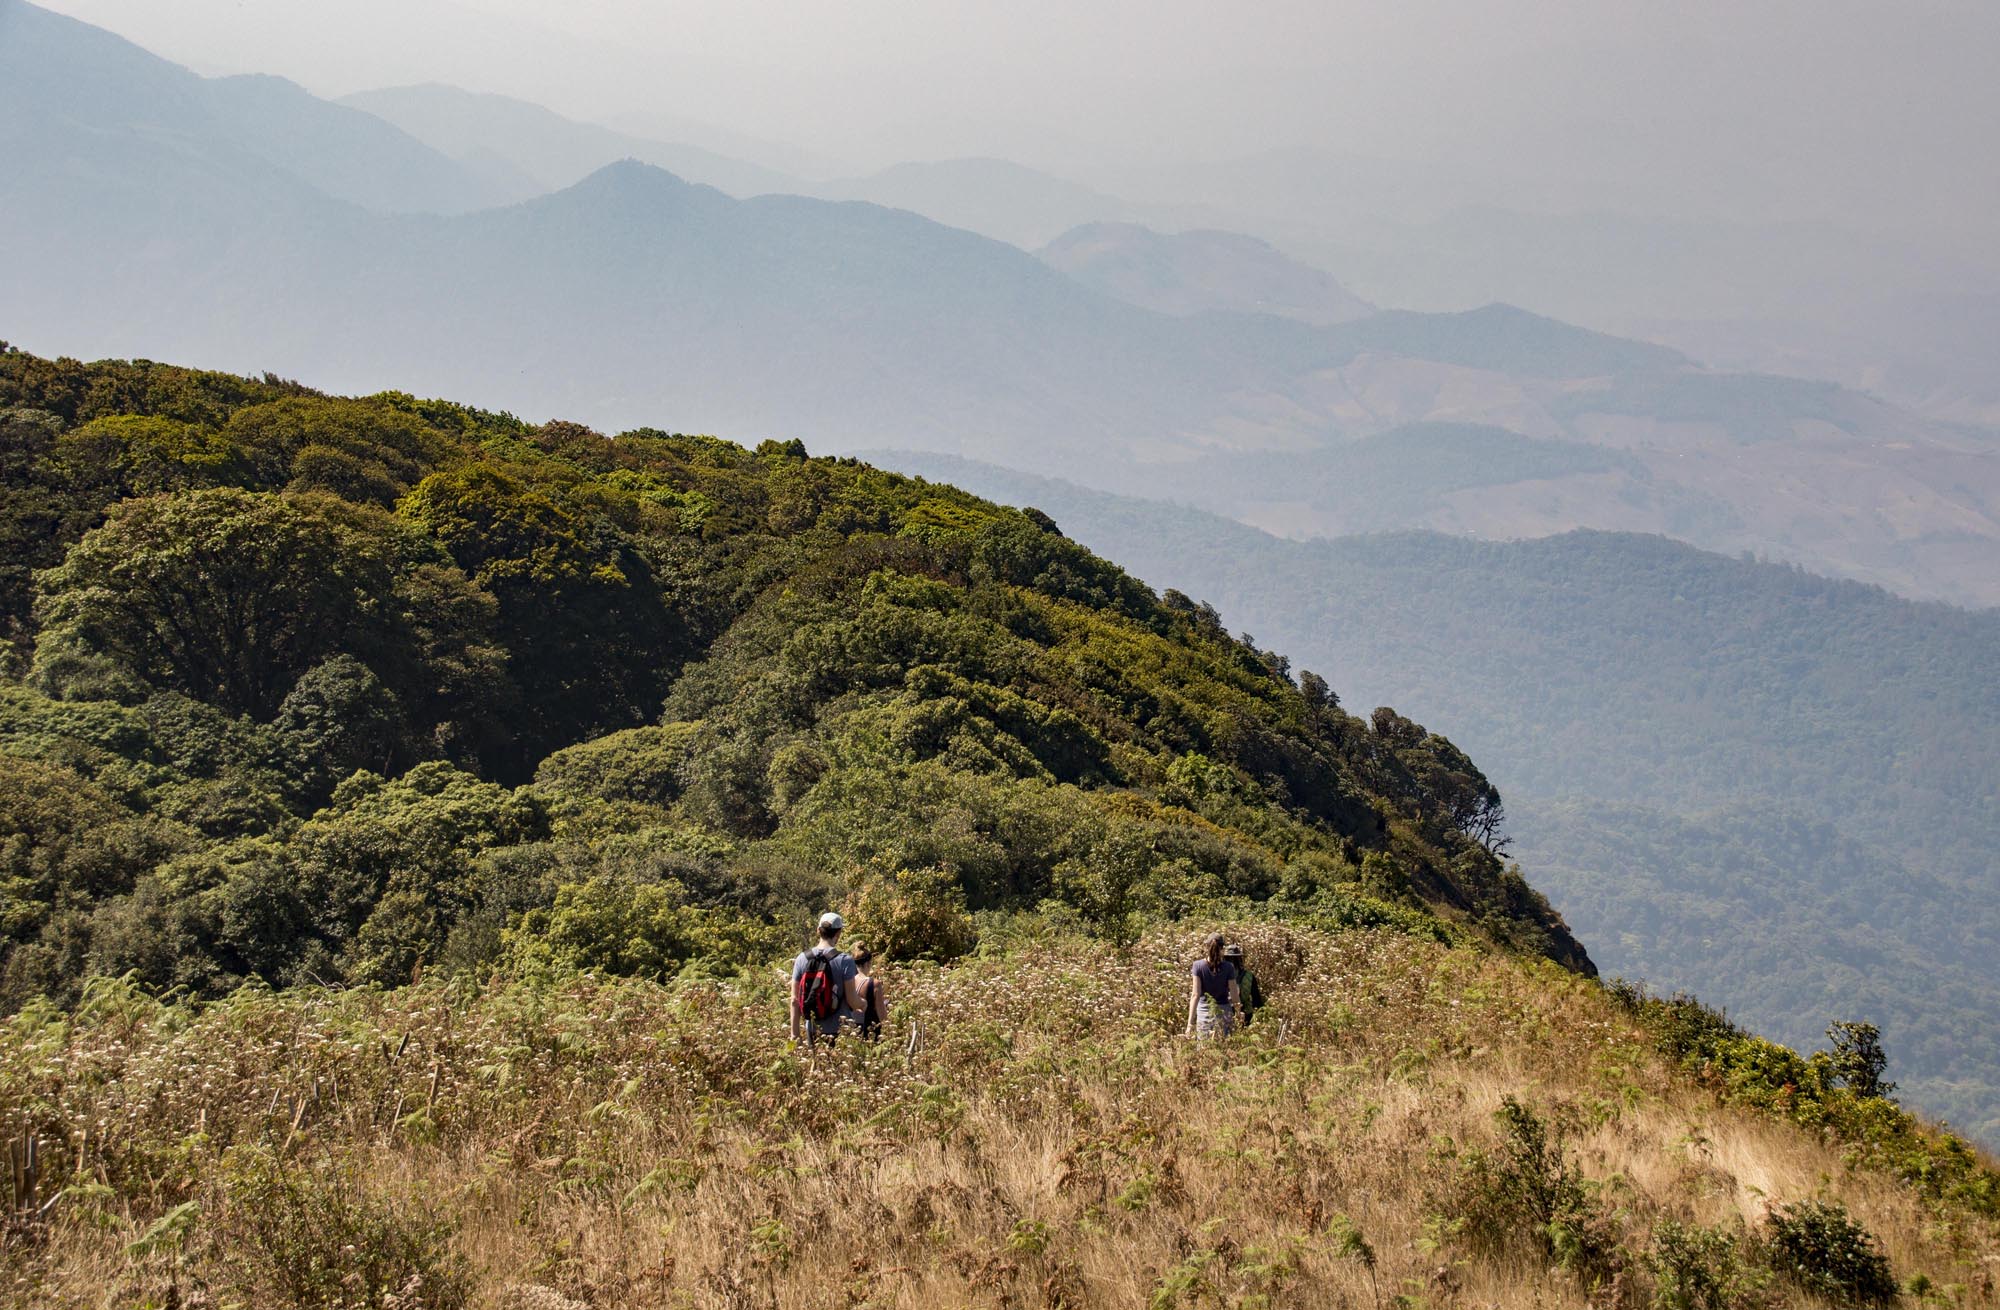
(1407, 1123)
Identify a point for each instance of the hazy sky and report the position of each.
(1879, 114)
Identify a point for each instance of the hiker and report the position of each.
(1248, 988)
(1212, 993)
(823, 991)
(873, 1004)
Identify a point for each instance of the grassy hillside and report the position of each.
(1732, 776)
(1793, 923)
(1407, 1124)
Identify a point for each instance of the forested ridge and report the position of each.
(310, 688)
(1771, 788)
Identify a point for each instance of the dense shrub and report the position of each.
(1821, 1247)
(1857, 1060)
(612, 924)
(910, 914)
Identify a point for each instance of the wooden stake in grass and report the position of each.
(25, 1157)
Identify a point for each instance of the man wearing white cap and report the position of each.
(823, 990)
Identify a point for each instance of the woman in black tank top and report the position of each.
(874, 1006)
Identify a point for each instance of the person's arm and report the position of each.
(881, 1001)
(1194, 1000)
(792, 1004)
(1235, 996)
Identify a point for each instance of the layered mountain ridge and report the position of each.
(855, 325)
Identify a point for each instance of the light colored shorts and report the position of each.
(1212, 1019)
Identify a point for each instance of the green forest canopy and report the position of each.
(302, 687)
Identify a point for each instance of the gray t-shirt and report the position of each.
(841, 970)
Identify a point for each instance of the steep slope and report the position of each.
(1792, 921)
(539, 145)
(1733, 776)
(59, 77)
(1195, 272)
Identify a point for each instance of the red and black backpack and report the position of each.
(815, 990)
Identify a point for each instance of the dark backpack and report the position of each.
(817, 993)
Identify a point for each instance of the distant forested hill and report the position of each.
(1732, 776)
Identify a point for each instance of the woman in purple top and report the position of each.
(1212, 994)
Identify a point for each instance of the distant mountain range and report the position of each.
(1730, 776)
(151, 212)
(1200, 272)
(74, 96)
(532, 150)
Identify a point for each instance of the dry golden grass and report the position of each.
(1054, 1142)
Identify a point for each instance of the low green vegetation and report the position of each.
(1838, 1092)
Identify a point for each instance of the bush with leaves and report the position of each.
(910, 914)
(340, 719)
(1698, 1268)
(1533, 1192)
(391, 865)
(1857, 1059)
(230, 596)
(1823, 1249)
(321, 1239)
(615, 924)
(638, 767)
